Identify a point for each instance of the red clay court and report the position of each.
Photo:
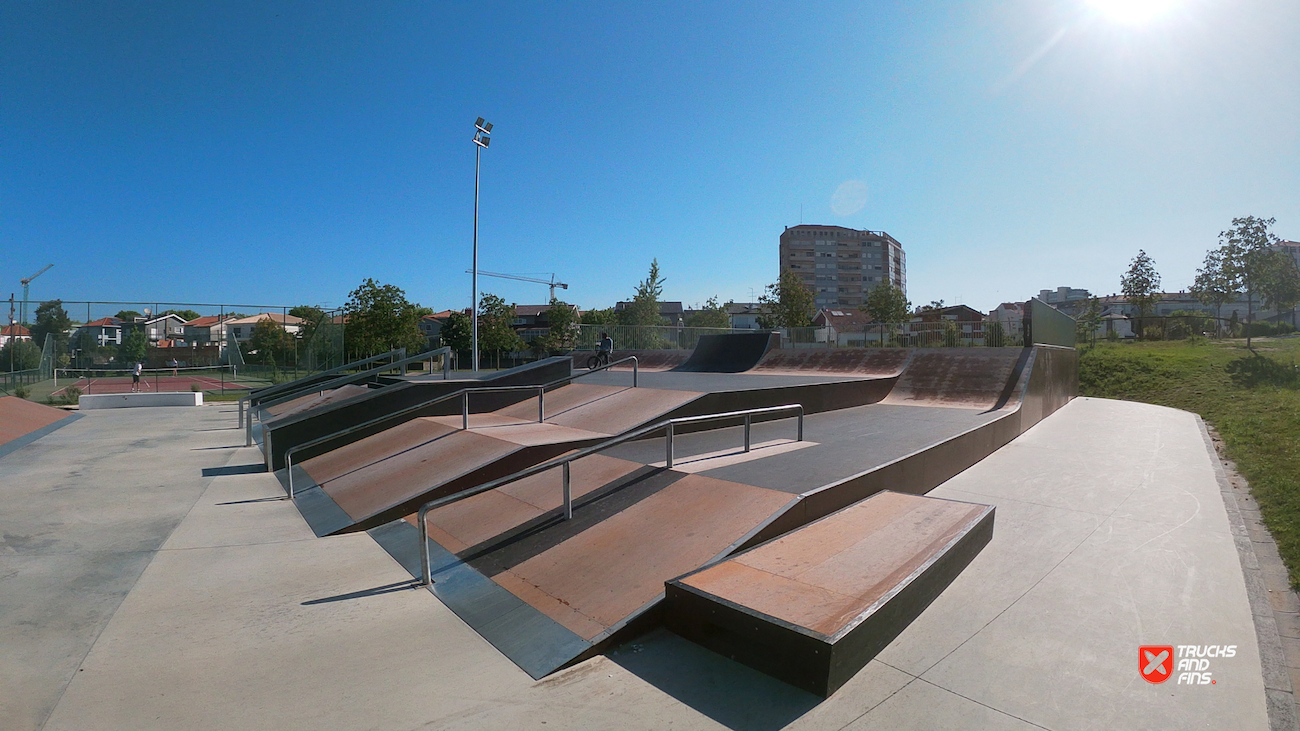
(117, 381)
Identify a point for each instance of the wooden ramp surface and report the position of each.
(972, 378)
(815, 605)
(20, 417)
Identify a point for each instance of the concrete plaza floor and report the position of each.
(150, 578)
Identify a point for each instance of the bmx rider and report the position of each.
(603, 351)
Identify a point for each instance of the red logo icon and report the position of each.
(1156, 662)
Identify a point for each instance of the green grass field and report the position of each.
(1252, 399)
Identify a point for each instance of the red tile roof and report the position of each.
(105, 322)
(15, 331)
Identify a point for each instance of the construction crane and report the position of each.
(26, 283)
(549, 282)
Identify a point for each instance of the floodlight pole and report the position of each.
(481, 140)
(473, 300)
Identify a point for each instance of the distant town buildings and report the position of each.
(13, 332)
(841, 265)
(1061, 295)
(669, 312)
(242, 328)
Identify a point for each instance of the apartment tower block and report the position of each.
(841, 265)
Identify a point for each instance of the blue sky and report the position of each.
(279, 153)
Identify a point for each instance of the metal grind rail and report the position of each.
(563, 462)
(256, 395)
(323, 387)
(463, 394)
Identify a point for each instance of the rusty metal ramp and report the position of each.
(548, 592)
(387, 475)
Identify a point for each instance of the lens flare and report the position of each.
(1132, 12)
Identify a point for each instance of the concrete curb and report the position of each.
(1280, 694)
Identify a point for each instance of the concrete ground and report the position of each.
(149, 580)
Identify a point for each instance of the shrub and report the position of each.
(22, 391)
(196, 388)
(71, 395)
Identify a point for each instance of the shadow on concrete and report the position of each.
(238, 469)
(378, 590)
(732, 694)
(279, 499)
(204, 449)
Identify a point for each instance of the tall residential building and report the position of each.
(840, 265)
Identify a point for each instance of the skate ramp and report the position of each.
(333, 415)
(310, 401)
(729, 353)
(970, 378)
(23, 422)
(814, 606)
(870, 362)
(552, 592)
(389, 474)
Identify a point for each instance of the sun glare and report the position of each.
(1132, 12)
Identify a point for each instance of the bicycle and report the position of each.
(599, 359)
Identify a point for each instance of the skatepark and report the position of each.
(738, 536)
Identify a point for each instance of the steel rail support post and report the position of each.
(568, 494)
(668, 440)
(748, 419)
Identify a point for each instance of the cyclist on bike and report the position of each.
(603, 351)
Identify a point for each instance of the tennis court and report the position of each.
(212, 378)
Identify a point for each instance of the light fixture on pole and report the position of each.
(481, 141)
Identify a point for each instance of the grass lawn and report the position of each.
(1252, 399)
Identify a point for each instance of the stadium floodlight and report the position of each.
(481, 140)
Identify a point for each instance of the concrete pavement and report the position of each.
(1110, 533)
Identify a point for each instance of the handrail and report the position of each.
(322, 387)
(464, 410)
(564, 461)
(255, 396)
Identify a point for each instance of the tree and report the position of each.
(934, 305)
(1085, 328)
(134, 347)
(886, 304)
(1248, 258)
(457, 332)
(127, 316)
(51, 319)
(381, 319)
(606, 316)
(495, 320)
(711, 314)
(1280, 281)
(269, 341)
(311, 316)
(788, 301)
(643, 310)
(562, 325)
(19, 354)
(1214, 285)
(185, 315)
(1141, 286)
